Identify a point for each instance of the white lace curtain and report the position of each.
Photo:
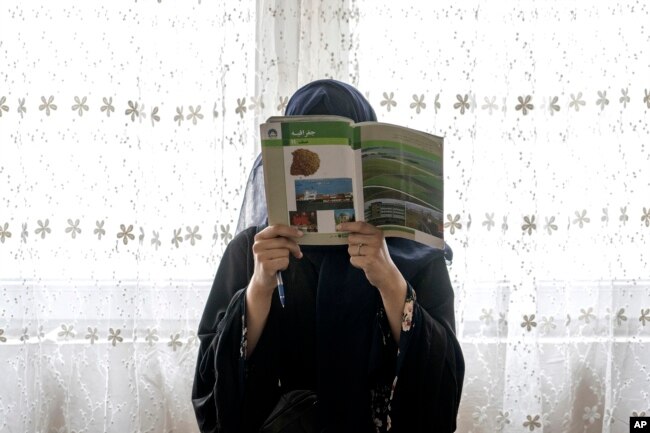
(127, 130)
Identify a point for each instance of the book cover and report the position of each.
(323, 170)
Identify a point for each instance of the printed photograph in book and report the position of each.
(331, 201)
(403, 188)
(320, 188)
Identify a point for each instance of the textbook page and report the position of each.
(403, 182)
(312, 175)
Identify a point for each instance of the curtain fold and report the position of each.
(126, 136)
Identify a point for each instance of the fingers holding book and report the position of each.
(369, 252)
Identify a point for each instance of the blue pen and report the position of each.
(278, 278)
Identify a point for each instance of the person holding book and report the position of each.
(367, 328)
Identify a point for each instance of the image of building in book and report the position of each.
(323, 194)
(305, 221)
(344, 216)
(385, 212)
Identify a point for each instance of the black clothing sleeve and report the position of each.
(217, 392)
(430, 365)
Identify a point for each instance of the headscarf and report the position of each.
(325, 96)
(317, 97)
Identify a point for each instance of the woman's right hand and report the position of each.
(271, 251)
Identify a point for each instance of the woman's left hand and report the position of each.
(369, 252)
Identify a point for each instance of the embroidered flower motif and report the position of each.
(489, 221)
(25, 335)
(436, 103)
(531, 422)
(490, 105)
(502, 419)
(225, 234)
(645, 218)
(80, 105)
(132, 111)
(256, 105)
(576, 101)
(503, 322)
(43, 228)
(283, 103)
(587, 315)
(620, 317)
(21, 107)
(47, 105)
(581, 219)
(215, 113)
(462, 103)
(194, 114)
(549, 226)
(3, 339)
(472, 102)
(125, 233)
(486, 316)
(178, 238)
(99, 229)
(625, 99)
(645, 316)
(479, 415)
(552, 105)
(388, 101)
(155, 241)
(108, 106)
(193, 235)
(241, 107)
(602, 99)
(114, 336)
(66, 331)
(3, 107)
(154, 116)
(179, 117)
(174, 342)
(4, 232)
(623, 217)
(605, 217)
(524, 104)
(646, 98)
(529, 322)
(419, 103)
(151, 336)
(453, 224)
(74, 229)
(24, 233)
(529, 224)
(92, 335)
(591, 414)
(547, 324)
(504, 224)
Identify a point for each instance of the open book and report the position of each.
(323, 170)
